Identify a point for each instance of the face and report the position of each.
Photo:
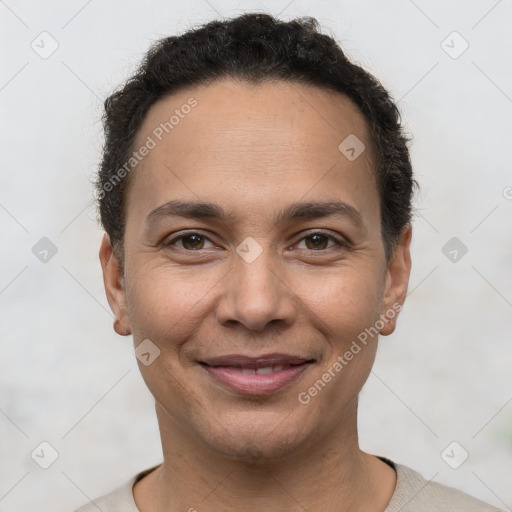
(253, 262)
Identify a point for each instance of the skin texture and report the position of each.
(254, 150)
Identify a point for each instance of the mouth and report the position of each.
(261, 375)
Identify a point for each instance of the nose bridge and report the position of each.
(257, 273)
(254, 293)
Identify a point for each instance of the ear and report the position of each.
(113, 281)
(397, 281)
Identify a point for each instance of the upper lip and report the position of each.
(261, 361)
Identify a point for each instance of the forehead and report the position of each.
(266, 141)
(254, 112)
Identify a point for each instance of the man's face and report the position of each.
(288, 266)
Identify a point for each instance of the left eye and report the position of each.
(192, 242)
(318, 242)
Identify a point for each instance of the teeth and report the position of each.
(264, 371)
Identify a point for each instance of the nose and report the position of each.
(256, 294)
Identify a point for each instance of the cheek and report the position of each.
(167, 307)
(166, 304)
(345, 308)
(344, 302)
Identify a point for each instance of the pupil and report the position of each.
(192, 241)
(319, 241)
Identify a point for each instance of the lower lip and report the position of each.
(256, 384)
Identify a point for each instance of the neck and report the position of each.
(331, 474)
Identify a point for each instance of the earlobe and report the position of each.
(397, 281)
(113, 280)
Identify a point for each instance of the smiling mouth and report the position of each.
(261, 375)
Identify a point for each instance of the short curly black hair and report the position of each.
(253, 47)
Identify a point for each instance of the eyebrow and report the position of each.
(295, 211)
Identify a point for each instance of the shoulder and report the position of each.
(415, 494)
(119, 500)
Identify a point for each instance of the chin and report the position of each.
(257, 442)
(254, 452)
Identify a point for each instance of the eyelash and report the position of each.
(340, 242)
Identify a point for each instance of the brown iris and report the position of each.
(193, 242)
(318, 242)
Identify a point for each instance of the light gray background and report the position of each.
(68, 379)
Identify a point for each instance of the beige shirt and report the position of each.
(412, 494)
